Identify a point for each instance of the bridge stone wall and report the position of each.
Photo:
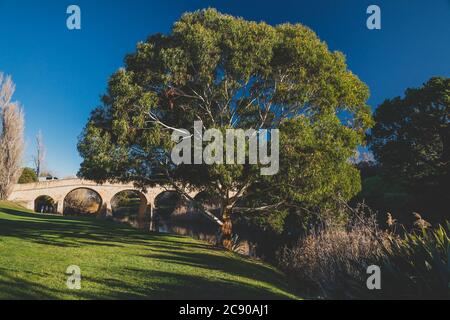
(26, 194)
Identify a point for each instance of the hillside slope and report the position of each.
(118, 262)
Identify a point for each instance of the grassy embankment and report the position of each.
(118, 262)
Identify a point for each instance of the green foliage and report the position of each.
(28, 176)
(411, 138)
(418, 266)
(384, 195)
(126, 199)
(314, 158)
(270, 222)
(232, 73)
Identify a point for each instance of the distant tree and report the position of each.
(411, 139)
(11, 137)
(28, 176)
(232, 73)
(39, 158)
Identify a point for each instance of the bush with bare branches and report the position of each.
(330, 255)
(11, 137)
(332, 261)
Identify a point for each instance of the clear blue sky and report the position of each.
(60, 74)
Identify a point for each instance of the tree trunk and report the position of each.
(227, 229)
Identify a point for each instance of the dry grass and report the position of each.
(332, 261)
(332, 255)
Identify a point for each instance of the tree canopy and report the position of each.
(411, 139)
(232, 73)
(28, 176)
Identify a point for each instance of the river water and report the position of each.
(199, 230)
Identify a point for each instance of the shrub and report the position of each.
(332, 261)
(418, 265)
(28, 176)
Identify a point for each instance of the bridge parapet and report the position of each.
(57, 190)
(65, 183)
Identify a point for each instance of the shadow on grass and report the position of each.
(183, 287)
(72, 231)
(209, 261)
(180, 287)
(172, 251)
(13, 287)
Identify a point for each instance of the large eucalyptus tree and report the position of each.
(232, 73)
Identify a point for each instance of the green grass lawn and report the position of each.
(118, 262)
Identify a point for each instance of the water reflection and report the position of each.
(199, 230)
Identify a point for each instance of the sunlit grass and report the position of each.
(120, 262)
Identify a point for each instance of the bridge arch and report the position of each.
(208, 201)
(130, 205)
(82, 200)
(45, 204)
(167, 202)
(58, 190)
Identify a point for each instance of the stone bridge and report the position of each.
(57, 190)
